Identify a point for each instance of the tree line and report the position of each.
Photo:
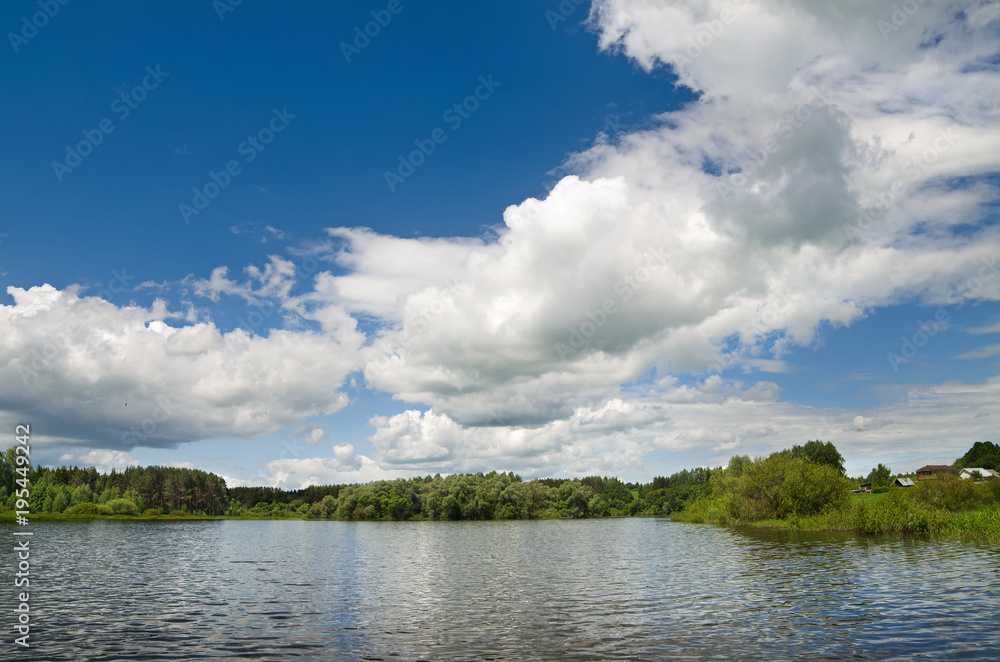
(128, 492)
(475, 496)
(158, 490)
(803, 480)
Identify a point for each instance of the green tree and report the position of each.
(821, 452)
(737, 463)
(983, 454)
(83, 494)
(780, 485)
(61, 502)
(880, 476)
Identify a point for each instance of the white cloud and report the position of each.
(981, 352)
(347, 459)
(384, 270)
(274, 232)
(683, 426)
(73, 362)
(986, 328)
(274, 281)
(103, 461)
(818, 116)
(303, 472)
(315, 436)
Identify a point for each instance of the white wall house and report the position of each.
(985, 473)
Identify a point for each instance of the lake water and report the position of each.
(611, 589)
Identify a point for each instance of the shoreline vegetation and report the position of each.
(792, 491)
(803, 488)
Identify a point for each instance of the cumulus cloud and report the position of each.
(315, 436)
(73, 362)
(696, 425)
(103, 461)
(809, 185)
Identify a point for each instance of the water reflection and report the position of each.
(637, 589)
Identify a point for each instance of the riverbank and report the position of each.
(894, 512)
(9, 516)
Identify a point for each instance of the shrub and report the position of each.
(778, 486)
(85, 508)
(899, 512)
(151, 512)
(178, 513)
(954, 494)
(123, 507)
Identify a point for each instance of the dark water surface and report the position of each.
(612, 589)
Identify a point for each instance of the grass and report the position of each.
(9, 515)
(893, 512)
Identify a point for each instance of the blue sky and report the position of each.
(788, 217)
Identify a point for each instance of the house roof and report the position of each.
(984, 472)
(938, 468)
(904, 482)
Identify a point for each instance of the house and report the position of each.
(968, 472)
(904, 482)
(932, 471)
(866, 487)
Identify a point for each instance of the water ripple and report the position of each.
(628, 589)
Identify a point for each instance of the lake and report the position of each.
(608, 589)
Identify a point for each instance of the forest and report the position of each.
(170, 491)
(805, 481)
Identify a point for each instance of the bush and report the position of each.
(178, 513)
(151, 512)
(85, 508)
(881, 489)
(954, 494)
(123, 507)
(898, 512)
(88, 508)
(778, 486)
